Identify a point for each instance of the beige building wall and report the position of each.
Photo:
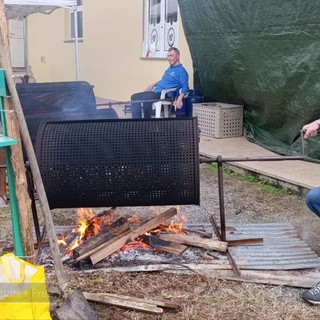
(109, 54)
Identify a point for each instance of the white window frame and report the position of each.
(70, 23)
(79, 19)
(161, 35)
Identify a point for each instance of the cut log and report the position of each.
(124, 301)
(164, 245)
(117, 228)
(196, 241)
(116, 243)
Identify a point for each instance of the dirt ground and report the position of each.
(201, 297)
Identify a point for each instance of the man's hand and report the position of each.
(179, 101)
(150, 86)
(310, 129)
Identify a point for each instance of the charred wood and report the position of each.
(117, 228)
(116, 243)
(163, 245)
(243, 242)
(196, 241)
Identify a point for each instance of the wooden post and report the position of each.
(20, 179)
(21, 185)
(5, 62)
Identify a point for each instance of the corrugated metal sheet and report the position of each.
(282, 247)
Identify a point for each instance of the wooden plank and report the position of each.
(293, 278)
(282, 278)
(164, 304)
(122, 302)
(196, 241)
(277, 259)
(243, 242)
(192, 267)
(116, 243)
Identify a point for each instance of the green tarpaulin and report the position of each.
(264, 54)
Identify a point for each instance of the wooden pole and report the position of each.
(5, 62)
(21, 184)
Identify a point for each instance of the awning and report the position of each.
(16, 9)
(19, 9)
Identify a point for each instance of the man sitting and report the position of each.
(175, 76)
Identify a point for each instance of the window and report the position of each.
(79, 20)
(160, 27)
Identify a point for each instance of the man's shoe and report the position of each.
(312, 295)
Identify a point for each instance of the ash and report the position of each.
(132, 257)
(154, 256)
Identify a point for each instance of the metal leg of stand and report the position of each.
(33, 203)
(221, 200)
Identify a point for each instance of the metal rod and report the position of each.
(33, 202)
(113, 103)
(232, 262)
(215, 228)
(302, 143)
(76, 40)
(241, 159)
(221, 200)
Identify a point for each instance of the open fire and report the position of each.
(88, 225)
(93, 231)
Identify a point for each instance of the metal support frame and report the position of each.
(220, 162)
(221, 233)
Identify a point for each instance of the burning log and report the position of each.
(118, 227)
(114, 244)
(195, 241)
(68, 242)
(163, 245)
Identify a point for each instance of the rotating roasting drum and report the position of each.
(120, 162)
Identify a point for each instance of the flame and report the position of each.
(62, 242)
(175, 226)
(134, 219)
(134, 245)
(88, 225)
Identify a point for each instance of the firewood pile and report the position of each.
(155, 233)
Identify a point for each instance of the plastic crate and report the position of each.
(219, 120)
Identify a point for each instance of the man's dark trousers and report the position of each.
(147, 106)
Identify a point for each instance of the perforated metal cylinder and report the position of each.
(124, 162)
